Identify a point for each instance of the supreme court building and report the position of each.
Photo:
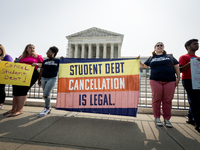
(94, 43)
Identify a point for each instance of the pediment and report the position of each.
(94, 32)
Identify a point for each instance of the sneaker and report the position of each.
(191, 122)
(197, 128)
(1, 106)
(167, 123)
(44, 112)
(158, 122)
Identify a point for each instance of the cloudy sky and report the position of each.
(143, 23)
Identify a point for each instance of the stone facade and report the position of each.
(94, 43)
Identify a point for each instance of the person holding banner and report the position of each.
(3, 57)
(193, 95)
(163, 82)
(30, 57)
(48, 77)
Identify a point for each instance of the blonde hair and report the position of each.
(3, 52)
(154, 52)
(25, 53)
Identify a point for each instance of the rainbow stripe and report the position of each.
(99, 86)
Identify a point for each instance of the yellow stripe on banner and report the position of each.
(94, 69)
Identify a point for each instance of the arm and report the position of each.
(185, 67)
(39, 61)
(198, 58)
(141, 64)
(176, 67)
(37, 64)
(39, 79)
(8, 58)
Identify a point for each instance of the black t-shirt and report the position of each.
(50, 67)
(162, 68)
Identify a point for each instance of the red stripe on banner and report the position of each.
(97, 84)
(125, 99)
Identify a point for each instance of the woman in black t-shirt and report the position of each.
(163, 82)
(48, 77)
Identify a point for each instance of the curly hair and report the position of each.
(54, 50)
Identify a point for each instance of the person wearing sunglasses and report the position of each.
(3, 57)
(164, 78)
(193, 95)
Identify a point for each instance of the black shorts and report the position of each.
(2, 93)
(23, 90)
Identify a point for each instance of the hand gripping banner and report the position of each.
(99, 86)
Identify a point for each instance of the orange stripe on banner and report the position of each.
(94, 84)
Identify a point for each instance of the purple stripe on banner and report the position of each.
(112, 111)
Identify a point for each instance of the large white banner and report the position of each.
(195, 73)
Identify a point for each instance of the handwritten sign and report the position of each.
(195, 73)
(99, 86)
(15, 73)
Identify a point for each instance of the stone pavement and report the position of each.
(64, 130)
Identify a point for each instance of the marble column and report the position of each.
(119, 50)
(82, 51)
(97, 50)
(112, 51)
(76, 51)
(69, 51)
(104, 50)
(90, 51)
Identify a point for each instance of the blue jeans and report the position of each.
(47, 86)
(194, 101)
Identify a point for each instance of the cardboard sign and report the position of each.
(99, 86)
(15, 73)
(195, 73)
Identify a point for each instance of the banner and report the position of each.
(99, 86)
(195, 73)
(15, 73)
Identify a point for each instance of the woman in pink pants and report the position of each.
(163, 82)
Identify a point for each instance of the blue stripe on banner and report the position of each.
(80, 60)
(112, 111)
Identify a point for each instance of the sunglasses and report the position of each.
(159, 45)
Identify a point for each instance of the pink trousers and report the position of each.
(162, 92)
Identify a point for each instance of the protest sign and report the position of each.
(195, 73)
(15, 73)
(99, 86)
